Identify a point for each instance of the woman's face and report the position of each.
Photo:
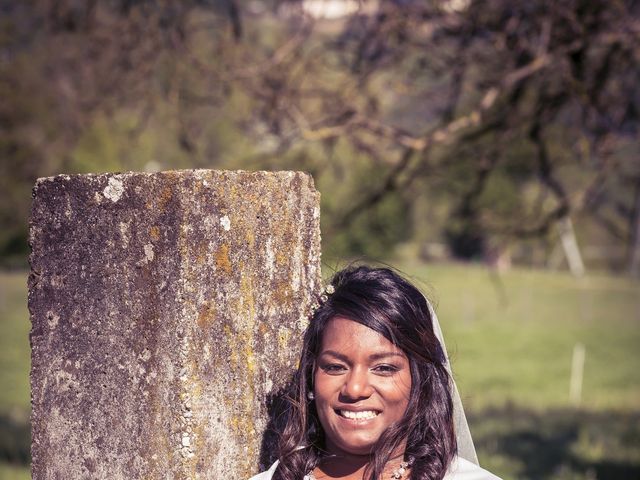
(362, 384)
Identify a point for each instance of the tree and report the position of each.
(513, 116)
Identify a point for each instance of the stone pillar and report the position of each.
(165, 309)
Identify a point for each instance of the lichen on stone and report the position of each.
(165, 310)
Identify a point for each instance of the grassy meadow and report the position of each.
(14, 377)
(511, 341)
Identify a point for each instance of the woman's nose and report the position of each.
(357, 384)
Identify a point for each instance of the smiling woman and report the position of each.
(372, 398)
(362, 386)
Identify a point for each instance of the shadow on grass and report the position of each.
(561, 443)
(15, 441)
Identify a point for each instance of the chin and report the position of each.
(368, 450)
(356, 446)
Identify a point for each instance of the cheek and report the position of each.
(404, 386)
(324, 389)
(323, 400)
(398, 394)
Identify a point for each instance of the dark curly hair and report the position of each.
(382, 300)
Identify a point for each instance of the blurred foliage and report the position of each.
(375, 234)
(478, 123)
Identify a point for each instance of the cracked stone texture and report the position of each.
(165, 309)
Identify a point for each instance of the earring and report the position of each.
(311, 395)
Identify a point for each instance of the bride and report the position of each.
(372, 398)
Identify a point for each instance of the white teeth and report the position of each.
(366, 414)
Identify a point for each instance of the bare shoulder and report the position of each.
(462, 469)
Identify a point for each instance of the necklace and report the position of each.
(397, 474)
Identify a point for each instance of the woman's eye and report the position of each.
(385, 369)
(333, 368)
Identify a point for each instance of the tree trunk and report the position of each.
(570, 247)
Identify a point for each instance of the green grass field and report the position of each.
(510, 341)
(14, 377)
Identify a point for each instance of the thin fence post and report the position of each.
(577, 374)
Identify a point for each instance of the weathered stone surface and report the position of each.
(165, 308)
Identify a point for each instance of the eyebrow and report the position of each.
(375, 356)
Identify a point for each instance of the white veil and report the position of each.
(466, 449)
